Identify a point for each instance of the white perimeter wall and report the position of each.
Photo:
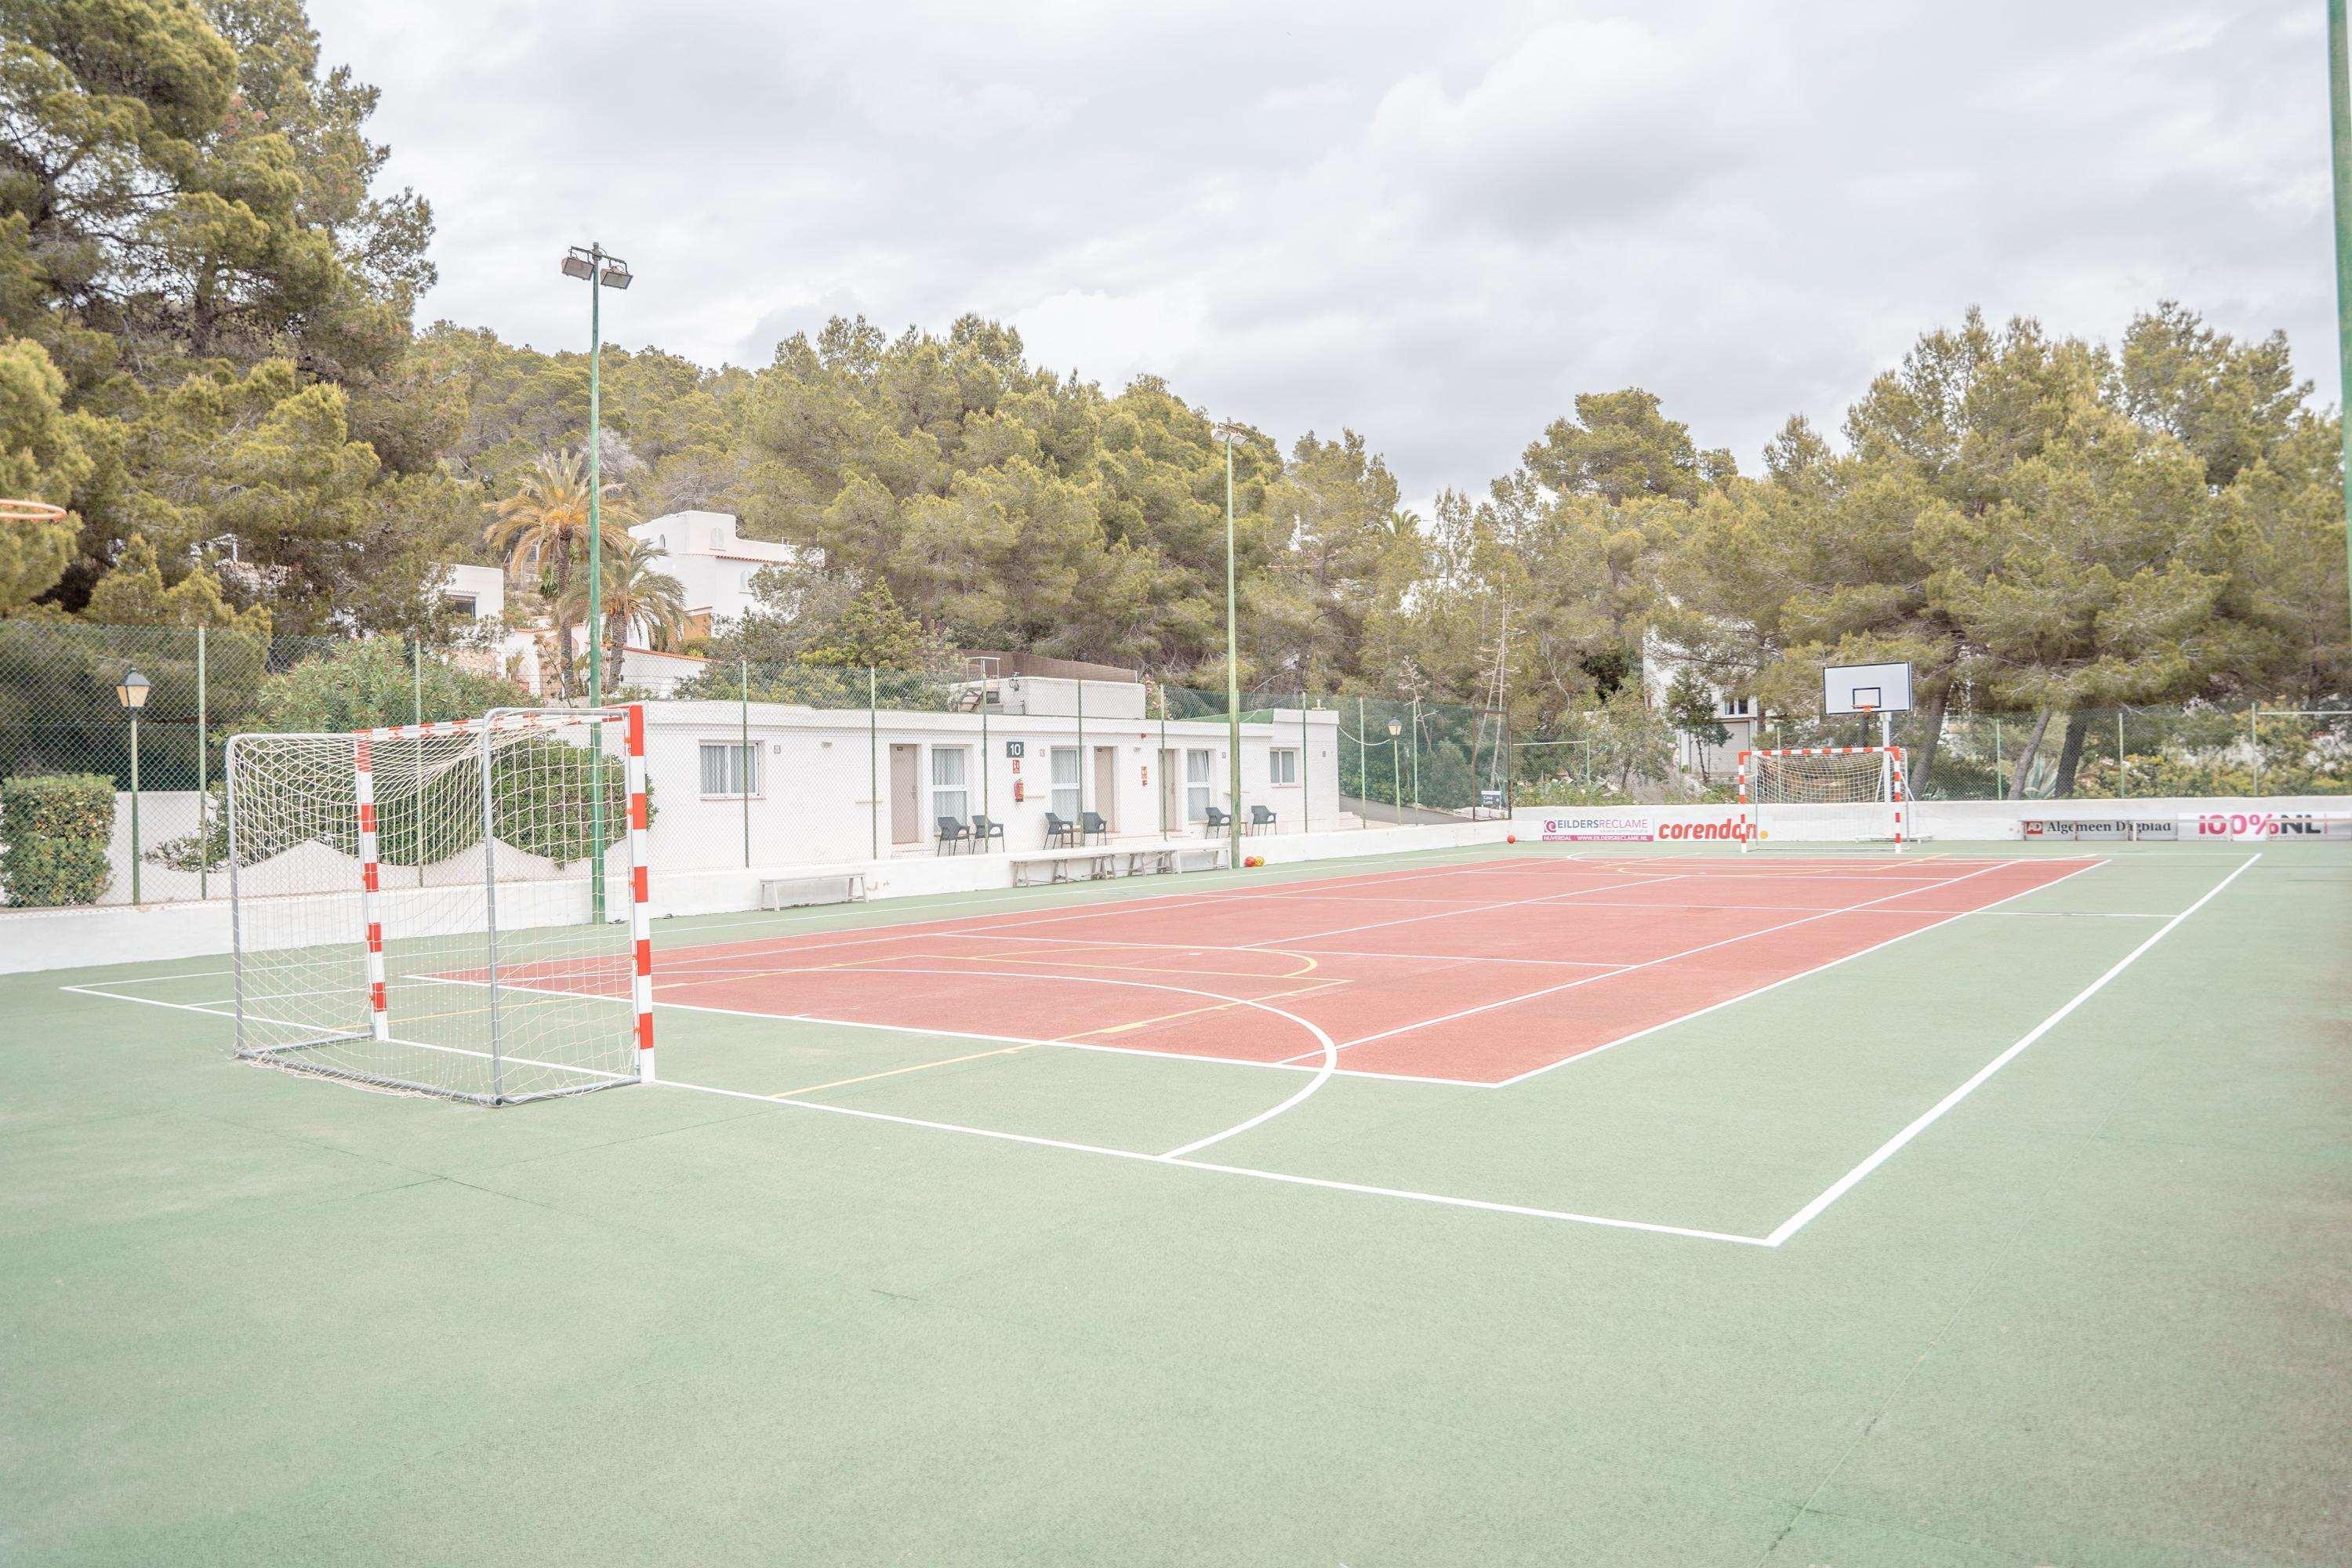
(83, 938)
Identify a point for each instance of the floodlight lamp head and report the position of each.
(132, 692)
(579, 265)
(1228, 432)
(616, 275)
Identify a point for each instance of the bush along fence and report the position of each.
(66, 764)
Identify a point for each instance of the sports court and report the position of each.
(1977, 1204)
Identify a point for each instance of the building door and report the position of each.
(906, 794)
(1171, 814)
(1107, 786)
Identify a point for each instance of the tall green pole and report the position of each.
(203, 818)
(874, 760)
(743, 750)
(596, 575)
(1233, 674)
(2339, 136)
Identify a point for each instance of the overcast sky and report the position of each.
(1434, 224)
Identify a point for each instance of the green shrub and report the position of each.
(54, 831)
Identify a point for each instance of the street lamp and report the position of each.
(1396, 775)
(600, 270)
(1230, 432)
(132, 692)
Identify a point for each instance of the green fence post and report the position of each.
(2122, 771)
(1416, 754)
(874, 762)
(203, 817)
(416, 716)
(2254, 738)
(743, 756)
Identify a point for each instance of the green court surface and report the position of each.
(2014, 1231)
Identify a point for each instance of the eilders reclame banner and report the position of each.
(1721, 824)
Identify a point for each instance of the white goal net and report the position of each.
(1823, 795)
(454, 909)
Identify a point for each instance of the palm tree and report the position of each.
(543, 526)
(637, 597)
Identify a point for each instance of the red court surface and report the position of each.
(1477, 973)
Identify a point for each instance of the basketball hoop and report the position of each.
(30, 512)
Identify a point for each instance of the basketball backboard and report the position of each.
(1865, 689)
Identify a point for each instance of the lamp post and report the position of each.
(600, 270)
(1230, 432)
(1396, 772)
(132, 692)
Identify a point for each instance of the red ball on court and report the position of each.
(1510, 838)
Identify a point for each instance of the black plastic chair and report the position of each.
(1218, 822)
(983, 830)
(1092, 825)
(952, 831)
(1260, 819)
(1059, 831)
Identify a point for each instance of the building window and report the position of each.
(729, 769)
(1065, 778)
(949, 796)
(1283, 765)
(1196, 786)
(1739, 708)
(464, 605)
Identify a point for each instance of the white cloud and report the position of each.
(1435, 229)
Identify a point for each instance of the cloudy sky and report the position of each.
(1434, 224)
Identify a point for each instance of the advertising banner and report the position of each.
(1599, 828)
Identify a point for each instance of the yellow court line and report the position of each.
(1133, 968)
(894, 1072)
(1211, 1007)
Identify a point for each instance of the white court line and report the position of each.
(1887, 1149)
(1150, 903)
(1651, 962)
(1467, 910)
(1173, 1159)
(1095, 941)
(1788, 979)
(1282, 1176)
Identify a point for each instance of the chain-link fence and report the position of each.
(761, 764)
(2115, 753)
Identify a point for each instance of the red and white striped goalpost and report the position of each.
(1890, 782)
(640, 939)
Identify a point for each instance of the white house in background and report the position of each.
(711, 562)
(1738, 716)
(478, 594)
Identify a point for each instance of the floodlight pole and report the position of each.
(598, 266)
(1228, 434)
(2339, 130)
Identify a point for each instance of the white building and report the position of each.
(711, 562)
(769, 784)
